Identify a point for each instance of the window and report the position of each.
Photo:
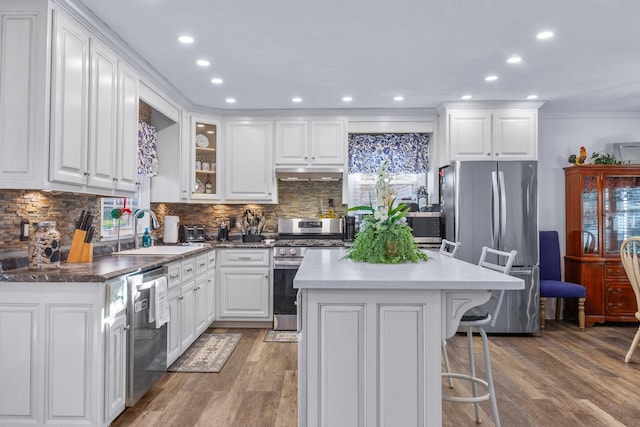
(110, 225)
(408, 155)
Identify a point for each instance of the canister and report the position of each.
(44, 246)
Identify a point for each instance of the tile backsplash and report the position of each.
(295, 200)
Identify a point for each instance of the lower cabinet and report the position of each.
(243, 290)
(115, 387)
(190, 299)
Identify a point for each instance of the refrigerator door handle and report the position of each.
(495, 209)
(503, 208)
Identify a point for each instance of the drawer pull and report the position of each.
(616, 291)
(617, 305)
(189, 270)
(203, 264)
(244, 258)
(174, 277)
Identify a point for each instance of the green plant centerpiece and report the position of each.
(384, 237)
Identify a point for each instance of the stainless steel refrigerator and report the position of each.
(495, 204)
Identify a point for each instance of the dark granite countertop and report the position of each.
(108, 266)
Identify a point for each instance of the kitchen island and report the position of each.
(369, 352)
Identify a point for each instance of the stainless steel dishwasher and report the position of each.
(146, 344)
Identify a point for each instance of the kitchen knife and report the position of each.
(79, 221)
(89, 237)
(88, 221)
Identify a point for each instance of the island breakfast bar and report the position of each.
(369, 351)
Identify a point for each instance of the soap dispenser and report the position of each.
(146, 238)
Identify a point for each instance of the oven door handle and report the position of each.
(286, 265)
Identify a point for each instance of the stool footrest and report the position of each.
(463, 399)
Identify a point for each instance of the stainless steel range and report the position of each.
(295, 238)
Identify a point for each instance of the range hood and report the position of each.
(309, 174)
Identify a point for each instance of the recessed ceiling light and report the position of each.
(544, 35)
(185, 39)
(230, 100)
(515, 59)
(296, 99)
(491, 78)
(398, 98)
(532, 97)
(203, 62)
(200, 125)
(216, 81)
(347, 99)
(210, 132)
(466, 97)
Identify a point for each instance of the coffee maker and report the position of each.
(223, 232)
(349, 233)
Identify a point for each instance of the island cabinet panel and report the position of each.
(364, 358)
(602, 209)
(18, 363)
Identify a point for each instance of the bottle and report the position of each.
(146, 238)
(331, 213)
(208, 188)
(44, 246)
(423, 198)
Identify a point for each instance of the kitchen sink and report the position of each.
(164, 250)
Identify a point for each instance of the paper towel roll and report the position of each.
(171, 225)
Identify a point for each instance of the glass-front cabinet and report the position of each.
(205, 182)
(602, 209)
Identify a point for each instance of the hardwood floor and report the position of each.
(560, 377)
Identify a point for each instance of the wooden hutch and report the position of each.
(602, 209)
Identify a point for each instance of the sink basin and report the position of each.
(162, 250)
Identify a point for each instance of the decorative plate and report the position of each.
(202, 141)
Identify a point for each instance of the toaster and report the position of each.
(192, 233)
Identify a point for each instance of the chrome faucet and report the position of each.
(139, 213)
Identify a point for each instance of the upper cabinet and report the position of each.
(249, 170)
(204, 162)
(481, 131)
(94, 117)
(310, 143)
(75, 128)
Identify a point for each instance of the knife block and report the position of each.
(80, 251)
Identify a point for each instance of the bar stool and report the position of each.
(450, 249)
(476, 319)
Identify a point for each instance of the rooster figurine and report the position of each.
(579, 159)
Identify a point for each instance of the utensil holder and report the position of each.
(80, 251)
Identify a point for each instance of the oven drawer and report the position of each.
(244, 257)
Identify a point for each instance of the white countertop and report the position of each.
(328, 269)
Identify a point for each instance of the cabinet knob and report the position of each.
(126, 327)
(488, 154)
(306, 158)
(86, 174)
(313, 158)
(266, 276)
(115, 179)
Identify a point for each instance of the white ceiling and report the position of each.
(429, 51)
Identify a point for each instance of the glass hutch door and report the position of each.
(621, 210)
(590, 214)
(205, 182)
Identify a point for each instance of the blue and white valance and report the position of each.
(147, 150)
(408, 153)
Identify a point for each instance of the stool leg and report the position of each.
(472, 372)
(634, 344)
(543, 302)
(559, 303)
(581, 313)
(446, 361)
(487, 363)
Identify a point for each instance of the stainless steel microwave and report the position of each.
(426, 226)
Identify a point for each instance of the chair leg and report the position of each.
(581, 302)
(492, 391)
(543, 302)
(559, 302)
(472, 372)
(634, 344)
(446, 362)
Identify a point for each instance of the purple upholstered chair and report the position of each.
(551, 284)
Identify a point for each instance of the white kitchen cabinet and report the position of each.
(249, 172)
(69, 101)
(174, 335)
(211, 290)
(94, 113)
(496, 131)
(188, 313)
(244, 285)
(115, 365)
(23, 97)
(310, 143)
(203, 161)
(53, 361)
